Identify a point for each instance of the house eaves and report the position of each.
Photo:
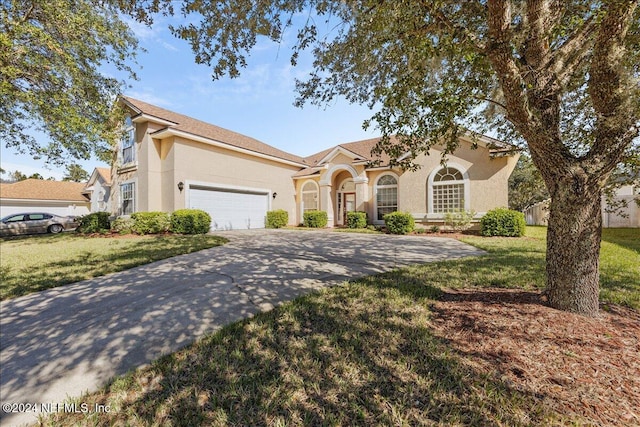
(66, 201)
(141, 118)
(168, 132)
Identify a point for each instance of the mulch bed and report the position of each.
(587, 368)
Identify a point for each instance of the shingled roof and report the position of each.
(199, 128)
(362, 149)
(105, 173)
(38, 189)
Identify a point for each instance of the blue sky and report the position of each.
(259, 103)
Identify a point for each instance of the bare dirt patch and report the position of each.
(583, 367)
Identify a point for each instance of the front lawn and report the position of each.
(34, 263)
(406, 348)
(520, 263)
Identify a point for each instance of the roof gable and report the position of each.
(337, 151)
(360, 151)
(103, 174)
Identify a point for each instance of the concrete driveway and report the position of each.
(66, 341)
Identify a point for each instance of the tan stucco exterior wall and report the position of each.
(149, 195)
(487, 181)
(161, 164)
(175, 160)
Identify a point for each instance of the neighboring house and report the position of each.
(37, 195)
(98, 190)
(169, 161)
(629, 216)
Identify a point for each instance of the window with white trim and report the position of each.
(128, 142)
(127, 198)
(448, 190)
(309, 197)
(386, 196)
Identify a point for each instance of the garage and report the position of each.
(231, 209)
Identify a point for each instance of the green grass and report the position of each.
(520, 263)
(359, 354)
(34, 263)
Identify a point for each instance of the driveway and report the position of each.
(66, 341)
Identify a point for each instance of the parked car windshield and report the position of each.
(14, 218)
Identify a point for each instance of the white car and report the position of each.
(36, 222)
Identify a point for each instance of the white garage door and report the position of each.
(231, 210)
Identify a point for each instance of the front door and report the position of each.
(349, 205)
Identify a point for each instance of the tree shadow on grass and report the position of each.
(626, 237)
(353, 355)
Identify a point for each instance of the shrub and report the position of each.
(434, 229)
(315, 219)
(459, 220)
(503, 222)
(190, 221)
(420, 230)
(356, 219)
(150, 222)
(122, 225)
(399, 222)
(277, 219)
(96, 222)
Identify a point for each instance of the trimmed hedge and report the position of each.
(399, 222)
(150, 222)
(96, 222)
(190, 221)
(315, 219)
(122, 225)
(277, 219)
(356, 219)
(503, 222)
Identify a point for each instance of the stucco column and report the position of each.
(362, 193)
(326, 202)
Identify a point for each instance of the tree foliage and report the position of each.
(526, 185)
(560, 76)
(51, 54)
(16, 176)
(75, 173)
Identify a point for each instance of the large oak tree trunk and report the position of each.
(573, 247)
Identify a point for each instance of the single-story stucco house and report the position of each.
(168, 161)
(36, 195)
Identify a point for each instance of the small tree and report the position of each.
(76, 173)
(459, 220)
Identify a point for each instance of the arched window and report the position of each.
(309, 196)
(448, 190)
(386, 190)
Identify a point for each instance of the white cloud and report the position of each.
(142, 31)
(169, 46)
